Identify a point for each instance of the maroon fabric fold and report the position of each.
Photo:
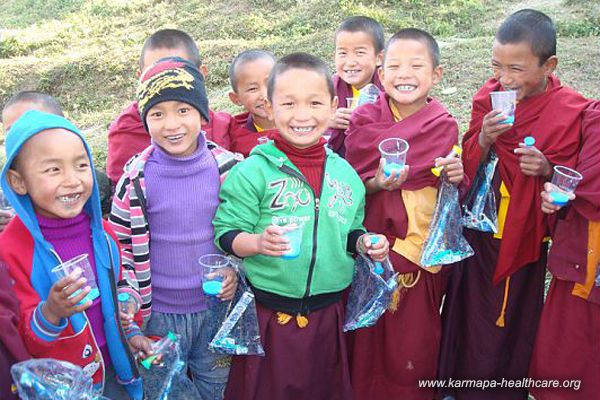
(587, 202)
(343, 90)
(554, 119)
(431, 132)
(244, 136)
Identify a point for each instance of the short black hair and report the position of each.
(420, 36)
(532, 27)
(364, 24)
(299, 61)
(49, 103)
(244, 57)
(172, 39)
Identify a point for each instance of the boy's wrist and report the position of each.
(49, 315)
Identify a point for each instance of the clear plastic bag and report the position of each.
(368, 95)
(158, 378)
(370, 293)
(445, 243)
(239, 333)
(482, 215)
(50, 379)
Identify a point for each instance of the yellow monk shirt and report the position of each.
(420, 206)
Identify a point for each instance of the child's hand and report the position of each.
(229, 285)
(492, 127)
(453, 168)
(272, 242)
(59, 304)
(393, 182)
(5, 217)
(341, 119)
(142, 346)
(377, 251)
(532, 161)
(126, 319)
(547, 206)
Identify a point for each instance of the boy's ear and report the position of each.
(379, 59)
(16, 182)
(269, 109)
(334, 103)
(437, 74)
(550, 65)
(380, 72)
(204, 70)
(235, 99)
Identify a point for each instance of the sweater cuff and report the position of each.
(44, 329)
(352, 244)
(226, 241)
(132, 330)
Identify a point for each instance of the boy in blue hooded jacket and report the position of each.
(49, 180)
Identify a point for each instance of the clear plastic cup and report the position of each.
(351, 102)
(505, 101)
(393, 151)
(214, 270)
(293, 228)
(564, 182)
(82, 263)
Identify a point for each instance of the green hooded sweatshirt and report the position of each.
(266, 189)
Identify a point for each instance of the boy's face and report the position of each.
(54, 169)
(174, 126)
(408, 74)
(12, 113)
(251, 91)
(517, 68)
(355, 58)
(301, 106)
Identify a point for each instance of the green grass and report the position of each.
(85, 52)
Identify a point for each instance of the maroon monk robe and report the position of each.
(343, 90)
(244, 135)
(474, 346)
(567, 344)
(128, 137)
(558, 140)
(12, 348)
(387, 360)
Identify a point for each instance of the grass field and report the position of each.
(85, 52)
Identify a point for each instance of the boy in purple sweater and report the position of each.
(162, 213)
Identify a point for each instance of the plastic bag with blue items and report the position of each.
(480, 204)
(371, 292)
(239, 333)
(50, 379)
(445, 243)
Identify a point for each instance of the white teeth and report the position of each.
(174, 138)
(303, 130)
(406, 88)
(72, 198)
(352, 71)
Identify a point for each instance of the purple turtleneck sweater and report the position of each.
(71, 237)
(182, 195)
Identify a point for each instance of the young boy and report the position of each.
(295, 179)
(162, 214)
(495, 298)
(126, 135)
(359, 45)
(248, 74)
(27, 100)
(566, 346)
(49, 180)
(389, 358)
